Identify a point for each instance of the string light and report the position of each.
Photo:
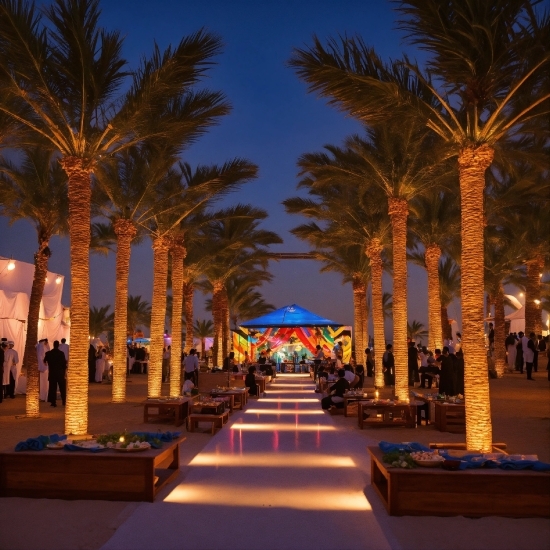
(58, 279)
(11, 265)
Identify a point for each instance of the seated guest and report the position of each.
(322, 373)
(336, 392)
(250, 381)
(428, 372)
(229, 362)
(350, 376)
(187, 387)
(360, 372)
(262, 360)
(332, 377)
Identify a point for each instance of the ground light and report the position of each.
(282, 427)
(279, 460)
(282, 411)
(315, 498)
(288, 400)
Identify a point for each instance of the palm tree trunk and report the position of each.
(217, 314)
(365, 310)
(178, 256)
(500, 333)
(161, 246)
(226, 344)
(398, 211)
(125, 231)
(374, 252)
(80, 196)
(30, 363)
(446, 328)
(472, 164)
(188, 295)
(533, 319)
(359, 289)
(432, 256)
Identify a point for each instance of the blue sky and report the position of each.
(274, 120)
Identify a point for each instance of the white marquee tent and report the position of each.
(15, 291)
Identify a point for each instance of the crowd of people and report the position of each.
(524, 354)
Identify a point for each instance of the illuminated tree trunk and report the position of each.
(472, 163)
(188, 295)
(446, 328)
(374, 252)
(533, 319)
(178, 256)
(161, 246)
(432, 256)
(30, 360)
(500, 333)
(125, 231)
(80, 195)
(217, 314)
(359, 317)
(226, 323)
(398, 211)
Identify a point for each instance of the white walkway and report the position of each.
(280, 476)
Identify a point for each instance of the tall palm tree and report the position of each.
(189, 193)
(234, 242)
(37, 191)
(434, 224)
(351, 213)
(101, 320)
(58, 79)
(488, 66)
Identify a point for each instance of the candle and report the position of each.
(376, 394)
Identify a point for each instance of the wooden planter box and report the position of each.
(471, 493)
(450, 418)
(109, 475)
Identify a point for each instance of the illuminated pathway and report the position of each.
(279, 476)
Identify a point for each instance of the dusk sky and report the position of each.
(273, 121)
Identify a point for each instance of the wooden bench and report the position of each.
(109, 475)
(471, 493)
(450, 418)
(175, 411)
(217, 421)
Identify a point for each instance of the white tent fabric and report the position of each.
(517, 320)
(15, 291)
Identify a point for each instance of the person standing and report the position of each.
(99, 365)
(91, 364)
(191, 367)
(511, 351)
(491, 337)
(2, 348)
(412, 362)
(388, 364)
(11, 358)
(369, 363)
(319, 356)
(529, 355)
(64, 347)
(57, 367)
(447, 378)
(42, 369)
(166, 354)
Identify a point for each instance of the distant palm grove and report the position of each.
(450, 171)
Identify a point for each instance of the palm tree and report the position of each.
(234, 243)
(100, 320)
(434, 223)
(138, 314)
(37, 191)
(416, 330)
(203, 330)
(488, 62)
(58, 80)
(351, 213)
(189, 193)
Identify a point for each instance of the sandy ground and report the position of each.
(520, 411)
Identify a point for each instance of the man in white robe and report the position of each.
(11, 360)
(41, 350)
(64, 347)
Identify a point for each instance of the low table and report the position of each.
(109, 475)
(351, 399)
(450, 417)
(391, 414)
(173, 410)
(217, 421)
(471, 493)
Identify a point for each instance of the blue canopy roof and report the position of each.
(290, 316)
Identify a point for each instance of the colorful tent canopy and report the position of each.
(290, 316)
